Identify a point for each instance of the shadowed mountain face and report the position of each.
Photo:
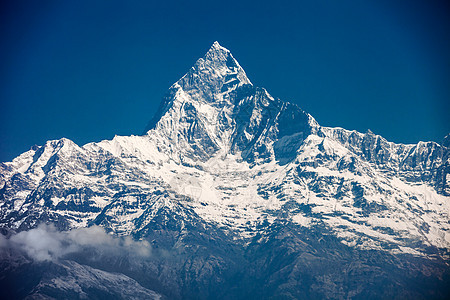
(237, 195)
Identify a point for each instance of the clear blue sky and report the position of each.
(88, 70)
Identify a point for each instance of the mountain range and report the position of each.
(236, 195)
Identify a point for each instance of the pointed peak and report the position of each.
(220, 59)
(217, 46)
(216, 51)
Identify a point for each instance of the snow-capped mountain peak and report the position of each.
(220, 60)
(228, 179)
(226, 152)
(202, 104)
(217, 72)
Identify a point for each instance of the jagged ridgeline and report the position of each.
(229, 194)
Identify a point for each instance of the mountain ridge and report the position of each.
(224, 164)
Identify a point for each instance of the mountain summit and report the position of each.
(229, 179)
(213, 74)
(215, 108)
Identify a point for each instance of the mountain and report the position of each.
(239, 195)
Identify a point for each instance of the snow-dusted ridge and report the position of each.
(222, 151)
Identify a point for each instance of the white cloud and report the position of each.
(47, 243)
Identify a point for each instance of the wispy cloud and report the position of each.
(47, 243)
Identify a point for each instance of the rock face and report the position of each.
(250, 197)
(68, 280)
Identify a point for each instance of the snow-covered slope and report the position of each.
(221, 152)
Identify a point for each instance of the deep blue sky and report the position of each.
(88, 70)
